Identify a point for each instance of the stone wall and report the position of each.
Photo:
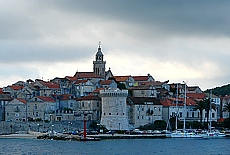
(24, 127)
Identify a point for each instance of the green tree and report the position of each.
(201, 105)
(208, 106)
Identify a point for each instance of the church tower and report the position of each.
(99, 64)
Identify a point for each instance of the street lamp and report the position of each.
(69, 123)
(38, 127)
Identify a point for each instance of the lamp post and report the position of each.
(69, 123)
(119, 126)
(38, 127)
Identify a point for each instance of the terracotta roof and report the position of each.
(71, 78)
(143, 100)
(196, 95)
(121, 78)
(46, 99)
(106, 82)
(80, 81)
(220, 120)
(81, 75)
(171, 102)
(140, 78)
(16, 87)
(21, 100)
(50, 85)
(1, 92)
(225, 97)
(88, 98)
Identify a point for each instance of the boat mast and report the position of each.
(184, 103)
(176, 106)
(210, 110)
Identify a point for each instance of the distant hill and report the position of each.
(220, 91)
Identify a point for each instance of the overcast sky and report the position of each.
(171, 40)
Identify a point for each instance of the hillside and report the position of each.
(220, 91)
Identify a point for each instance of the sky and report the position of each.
(177, 40)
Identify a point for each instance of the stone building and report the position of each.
(144, 110)
(114, 109)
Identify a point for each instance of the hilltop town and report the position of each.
(116, 102)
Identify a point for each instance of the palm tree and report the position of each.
(201, 105)
(227, 108)
(208, 106)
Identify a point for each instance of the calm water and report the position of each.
(116, 147)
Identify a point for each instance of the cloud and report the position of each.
(175, 40)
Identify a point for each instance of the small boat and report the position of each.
(186, 134)
(214, 134)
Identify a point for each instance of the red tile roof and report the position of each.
(50, 85)
(121, 78)
(1, 92)
(21, 100)
(220, 120)
(81, 75)
(80, 81)
(196, 95)
(16, 87)
(46, 99)
(71, 78)
(106, 82)
(88, 98)
(171, 102)
(140, 78)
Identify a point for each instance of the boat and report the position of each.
(183, 133)
(212, 133)
(186, 134)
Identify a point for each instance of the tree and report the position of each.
(208, 106)
(227, 108)
(201, 105)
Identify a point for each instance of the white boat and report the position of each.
(186, 134)
(214, 134)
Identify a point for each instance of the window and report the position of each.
(88, 104)
(35, 107)
(192, 114)
(180, 114)
(97, 104)
(36, 113)
(16, 114)
(187, 114)
(82, 104)
(71, 105)
(109, 113)
(213, 115)
(138, 117)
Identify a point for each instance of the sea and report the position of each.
(167, 146)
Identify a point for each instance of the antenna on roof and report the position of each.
(99, 43)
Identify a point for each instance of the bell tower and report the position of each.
(99, 64)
